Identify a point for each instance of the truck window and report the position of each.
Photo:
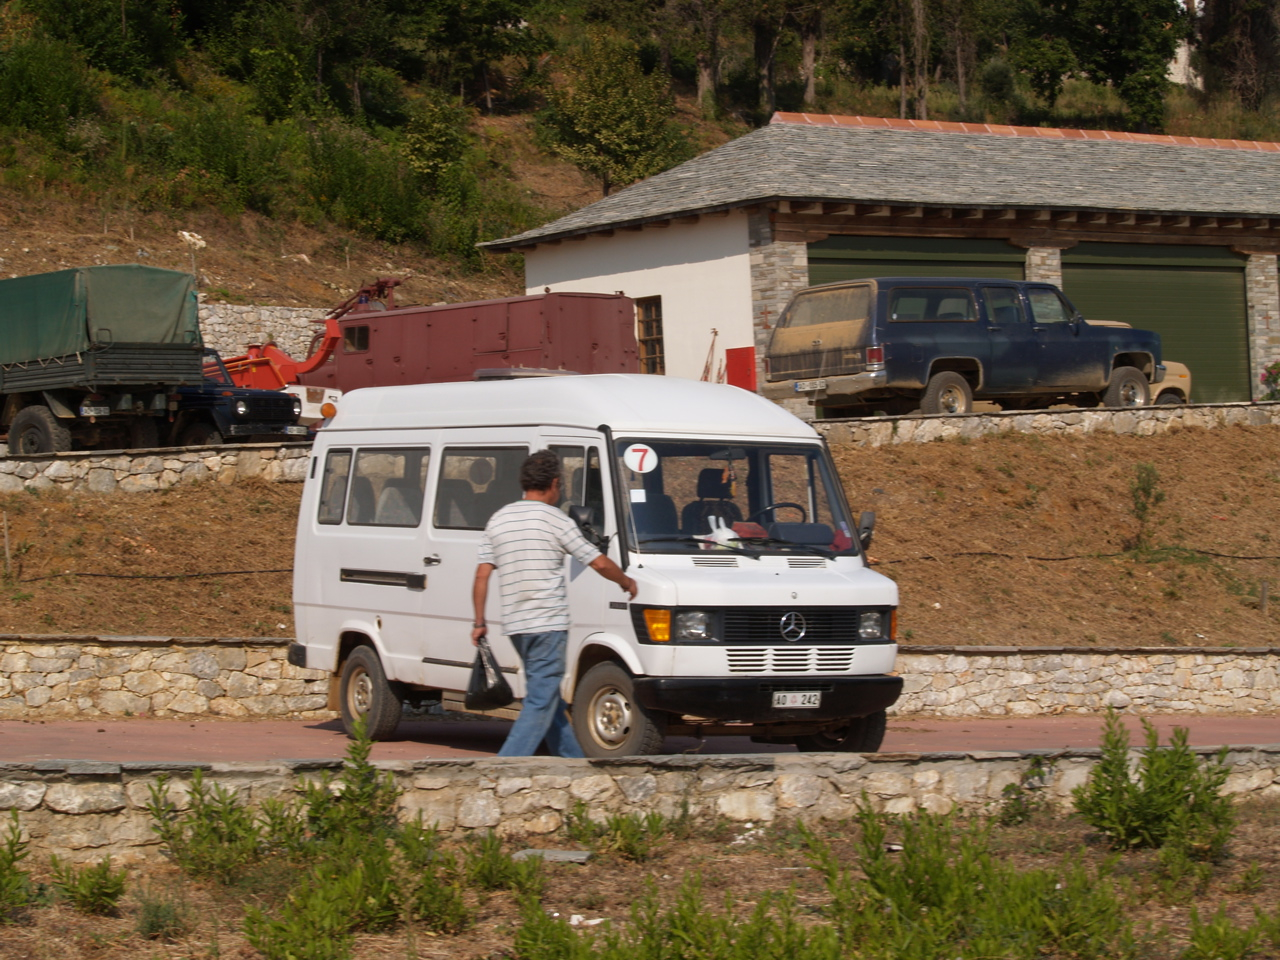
(828, 306)
(1048, 307)
(931, 304)
(333, 486)
(387, 486)
(583, 483)
(474, 483)
(355, 339)
(1004, 306)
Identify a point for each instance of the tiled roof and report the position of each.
(874, 160)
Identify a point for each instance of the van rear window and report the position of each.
(814, 307)
(474, 483)
(931, 304)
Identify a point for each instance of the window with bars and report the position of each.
(649, 321)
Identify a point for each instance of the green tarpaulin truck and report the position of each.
(91, 356)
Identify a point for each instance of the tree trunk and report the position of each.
(961, 86)
(920, 54)
(706, 83)
(766, 41)
(902, 80)
(810, 27)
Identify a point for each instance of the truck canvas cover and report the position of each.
(50, 315)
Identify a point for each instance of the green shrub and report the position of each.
(1174, 798)
(44, 85)
(161, 918)
(15, 883)
(95, 889)
(216, 837)
(360, 803)
(313, 924)
(1221, 938)
(488, 867)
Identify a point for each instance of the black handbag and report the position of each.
(488, 689)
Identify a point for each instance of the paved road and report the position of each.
(219, 741)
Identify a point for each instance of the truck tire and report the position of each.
(1169, 397)
(947, 392)
(200, 435)
(862, 735)
(363, 691)
(36, 430)
(607, 719)
(1128, 388)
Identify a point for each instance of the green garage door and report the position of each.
(1194, 297)
(855, 258)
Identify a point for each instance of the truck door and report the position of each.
(1070, 359)
(368, 545)
(1014, 352)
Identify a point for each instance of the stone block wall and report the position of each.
(778, 269)
(84, 811)
(118, 471)
(60, 677)
(1138, 422)
(1262, 291)
(81, 677)
(1044, 265)
(230, 328)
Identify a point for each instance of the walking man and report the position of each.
(528, 540)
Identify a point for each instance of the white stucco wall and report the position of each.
(701, 270)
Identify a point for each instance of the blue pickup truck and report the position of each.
(893, 345)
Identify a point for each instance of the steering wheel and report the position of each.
(773, 506)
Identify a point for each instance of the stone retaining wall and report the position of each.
(85, 811)
(1140, 422)
(165, 677)
(229, 328)
(119, 471)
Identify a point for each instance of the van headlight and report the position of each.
(693, 625)
(870, 625)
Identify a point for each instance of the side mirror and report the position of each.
(585, 518)
(866, 527)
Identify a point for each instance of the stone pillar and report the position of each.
(1044, 265)
(1263, 296)
(778, 269)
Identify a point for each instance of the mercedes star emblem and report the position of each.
(792, 626)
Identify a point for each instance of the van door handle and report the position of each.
(431, 561)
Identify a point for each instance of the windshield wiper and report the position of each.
(680, 538)
(806, 547)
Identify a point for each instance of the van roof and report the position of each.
(627, 403)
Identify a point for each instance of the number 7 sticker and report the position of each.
(640, 458)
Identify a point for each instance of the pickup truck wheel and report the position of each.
(1128, 388)
(1169, 397)
(947, 392)
(862, 735)
(608, 721)
(363, 691)
(36, 430)
(200, 435)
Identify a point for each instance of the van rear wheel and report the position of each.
(607, 719)
(363, 691)
(861, 735)
(947, 392)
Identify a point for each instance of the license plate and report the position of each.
(798, 699)
(804, 386)
(296, 431)
(95, 411)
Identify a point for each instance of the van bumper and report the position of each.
(837, 386)
(750, 699)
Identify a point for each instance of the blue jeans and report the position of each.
(542, 716)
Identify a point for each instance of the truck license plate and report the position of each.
(87, 411)
(804, 386)
(798, 699)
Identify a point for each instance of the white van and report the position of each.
(756, 613)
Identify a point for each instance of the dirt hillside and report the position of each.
(1013, 540)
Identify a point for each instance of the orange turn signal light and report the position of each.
(327, 410)
(658, 623)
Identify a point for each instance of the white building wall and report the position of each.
(701, 270)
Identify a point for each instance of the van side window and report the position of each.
(583, 481)
(387, 485)
(1048, 307)
(828, 306)
(474, 483)
(1004, 306)
(931, 304)
(333, 486)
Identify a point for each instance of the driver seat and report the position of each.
(713, 501)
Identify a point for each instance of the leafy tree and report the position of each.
(126, 37)
(44, 85)
(1240, 49)
(610, 119)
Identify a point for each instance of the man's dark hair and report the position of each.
(539, 471)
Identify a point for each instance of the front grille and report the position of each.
(764, 624)
(715, 561)
(802, 563)
(791, 660)
(815, 363)
(271, 408)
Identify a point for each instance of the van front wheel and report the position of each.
(860, 735)
(607, 719)
(365, 692)
(947, 392)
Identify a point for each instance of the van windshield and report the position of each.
(692, 496)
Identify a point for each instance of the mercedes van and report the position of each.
(756, 615)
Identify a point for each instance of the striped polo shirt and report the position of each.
(527, 541)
